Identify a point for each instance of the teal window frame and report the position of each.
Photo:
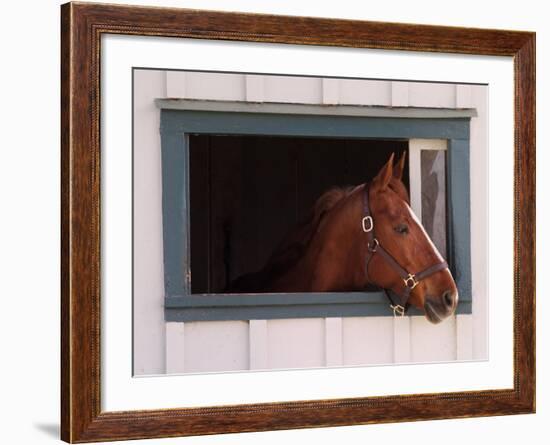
(177, 124)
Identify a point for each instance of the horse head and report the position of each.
(403, 246)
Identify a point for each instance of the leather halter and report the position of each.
(410, 281)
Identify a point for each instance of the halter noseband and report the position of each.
(410, 281)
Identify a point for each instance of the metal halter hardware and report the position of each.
(398, 310)
(410, 281)
(367, 220)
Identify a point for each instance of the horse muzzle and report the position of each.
(439, 308)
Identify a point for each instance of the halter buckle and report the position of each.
(410, 281)
(398, 310)
(367, 224)
(374, 246)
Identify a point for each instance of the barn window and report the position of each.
(237, 176)
(247, 192)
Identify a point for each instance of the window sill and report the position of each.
(218, 307)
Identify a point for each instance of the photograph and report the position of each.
(304, 222)
(275, 222)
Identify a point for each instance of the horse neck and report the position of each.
(334, 260)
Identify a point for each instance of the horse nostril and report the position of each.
(448, 298)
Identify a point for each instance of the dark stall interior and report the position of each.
(246, 192)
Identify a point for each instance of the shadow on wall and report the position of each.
(49, 429)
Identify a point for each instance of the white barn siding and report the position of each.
(212, 346)
(367, 340)
(149, 330)
(292, 89)
(258, 346)
(432, 343)
(206, 86)
(478, 181)
(296, 343)
(439, 95)
(314, 342)
(175, 347)
(402, 340)
(364, 92)
(399, 94)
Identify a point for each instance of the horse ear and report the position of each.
(383, 177)
(399, 167)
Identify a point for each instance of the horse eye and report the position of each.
(401, 229)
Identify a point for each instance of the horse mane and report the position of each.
(294, 244)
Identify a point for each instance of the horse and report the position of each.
(356, 237)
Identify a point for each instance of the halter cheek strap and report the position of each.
(410, 281)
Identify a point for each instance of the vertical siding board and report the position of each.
(148, 278)
(175, 84)
(365, 92)
(478, 167)
(215, 86)
(367, 340)
(464, 339)
(258, 344)
(333, 342)
(254, 88)
(463, 96)
(331, 91)
(175, 348)
(401, 339)
(433, 343)
(216, 346)
(293, 89)
(424, 94)
(296, 343)
(399, 94)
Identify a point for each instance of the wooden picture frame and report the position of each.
(82, 26)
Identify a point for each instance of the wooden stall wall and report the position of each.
(177, 347)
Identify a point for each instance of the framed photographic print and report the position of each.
(277, 222)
